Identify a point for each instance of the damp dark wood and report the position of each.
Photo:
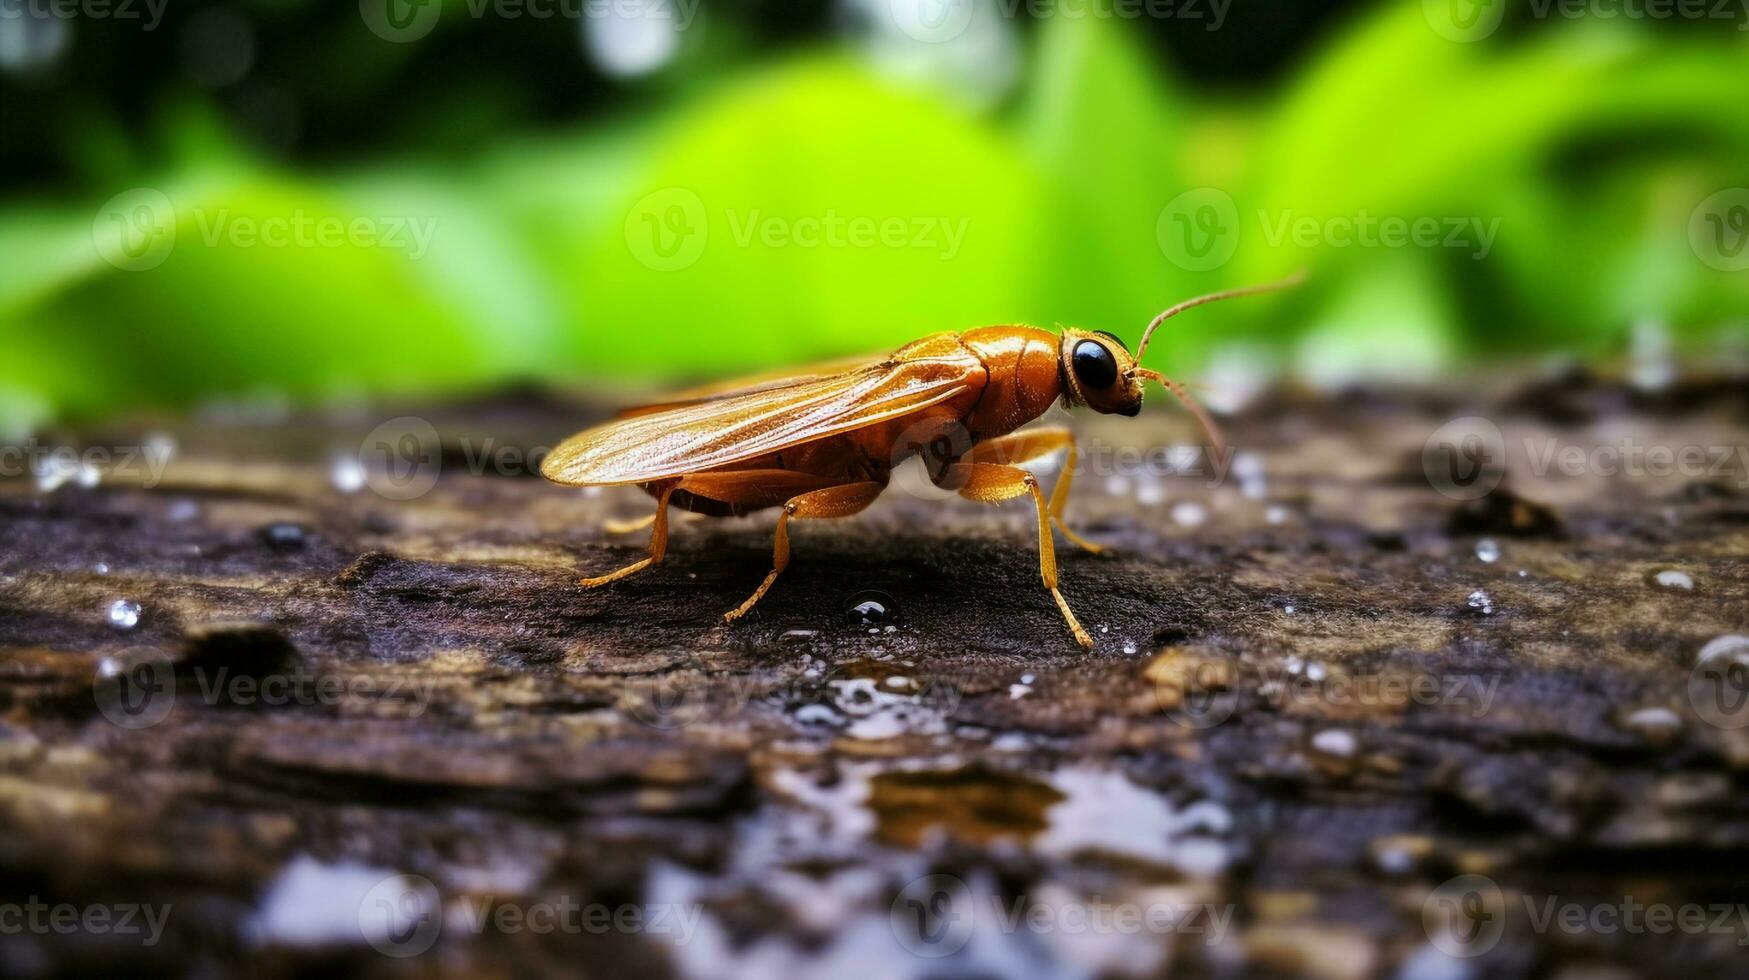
(322, 714)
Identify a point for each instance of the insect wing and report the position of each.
(705, 435)
(752, 384)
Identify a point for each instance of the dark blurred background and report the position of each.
(281, 202)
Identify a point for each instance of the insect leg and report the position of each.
(658, 543)
(993, 483)
(1017, 448)
(839, 501)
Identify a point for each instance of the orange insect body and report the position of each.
(823, 444)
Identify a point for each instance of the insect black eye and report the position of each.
(1093, 364)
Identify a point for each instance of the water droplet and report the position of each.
(1336, 743)
(1188, 513)
(1488, 550)
(1733, 646)
(1523, 574)
(818, 714)
(87, 476)
(56, 469)
(1150, 492)
(101, 568)
(871, 609)
(159, 447)
(1236, 374)
(636, 38)
(124, 614)
(1670, 578)
(1117, 486)
(1248, 467)
(1018, 691)
(1481, 602)
(1316, 671)
(284, 535)
(1653, 367)
(1654, 724)
(1129, 646)
(182, 510)
(1276, 514)
(347, 474)
(1026, 678)
(1288, 610)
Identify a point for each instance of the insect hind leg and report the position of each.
(838, 501)
(994, 483)
(658, 544)
(1018, 448)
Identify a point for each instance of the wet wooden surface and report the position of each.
(352, 720)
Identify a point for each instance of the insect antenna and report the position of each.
(1208, 423)
(1177, 389)
(1148, 334)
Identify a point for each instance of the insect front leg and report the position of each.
(1018, 448)
(838, 501)
(658, 543)
(994, 483)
